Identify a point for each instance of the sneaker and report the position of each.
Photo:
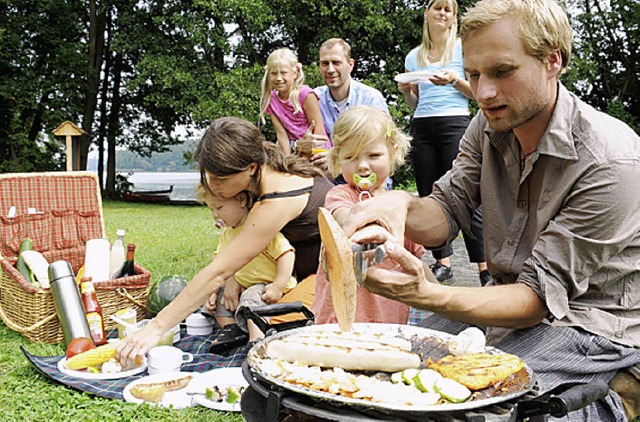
(485, 277)
(442, 272)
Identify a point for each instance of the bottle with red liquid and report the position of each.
(93, 310)
(128, 269)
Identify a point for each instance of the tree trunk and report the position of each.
(96, 45)
(113, 129)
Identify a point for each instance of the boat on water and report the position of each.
(153, 196)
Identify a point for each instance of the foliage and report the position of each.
(172, 63)
(164, 247)
(605, 70)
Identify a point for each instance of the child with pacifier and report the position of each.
(262, 281)
(367, 148)
(293, 106)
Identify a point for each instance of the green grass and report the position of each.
(169, 240)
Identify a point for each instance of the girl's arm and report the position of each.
(281, 134)
(311, 109)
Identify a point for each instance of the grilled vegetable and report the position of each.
(234, 392)
(93, 357)
(452, 390)
(478, 370)
(426, 379)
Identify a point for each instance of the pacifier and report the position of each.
(220, 224)
(365, 183)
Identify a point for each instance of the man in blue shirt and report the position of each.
(340, 92)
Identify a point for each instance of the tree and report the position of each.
(606, 61)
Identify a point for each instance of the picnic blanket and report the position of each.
(198, 345)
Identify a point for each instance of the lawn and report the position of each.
(169, 240)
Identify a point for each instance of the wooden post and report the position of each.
(69, 131)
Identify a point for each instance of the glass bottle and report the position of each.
(128, 268)
(117, 255)
(93, 311)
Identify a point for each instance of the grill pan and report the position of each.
(258, 352)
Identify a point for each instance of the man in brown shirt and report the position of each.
(557, 181)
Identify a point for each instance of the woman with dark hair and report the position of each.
(287, 192)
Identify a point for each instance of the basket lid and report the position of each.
(59, 210)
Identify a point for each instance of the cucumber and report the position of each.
(426, 379)
(452, 390)
(22, 266)
(396, 378)
(408, 374)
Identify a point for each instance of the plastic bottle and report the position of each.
(93, 311)
(116, 257)
(128, 267)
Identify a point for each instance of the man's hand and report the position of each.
(405, 282)
(388, 210)
(210, 304)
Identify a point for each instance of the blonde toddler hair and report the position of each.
(542, 25)
(358, 127)
(282, 57)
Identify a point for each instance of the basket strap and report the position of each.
(123, 292)
(21, 329)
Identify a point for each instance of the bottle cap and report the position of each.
(120, 232)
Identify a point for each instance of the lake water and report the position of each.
(184, 183)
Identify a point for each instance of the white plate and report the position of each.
(177, 399)
(84, 373)
(414, 77)
(222, 378)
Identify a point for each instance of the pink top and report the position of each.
(296, 124)
(370, 307)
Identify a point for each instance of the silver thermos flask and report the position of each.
(67, 301)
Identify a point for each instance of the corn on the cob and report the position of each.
(93, 357)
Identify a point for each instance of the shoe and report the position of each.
(485, 277)
(442, 272)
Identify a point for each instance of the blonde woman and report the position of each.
(368, 147)
(441, 115)
(293, 106)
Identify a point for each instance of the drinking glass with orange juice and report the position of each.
(319, 146)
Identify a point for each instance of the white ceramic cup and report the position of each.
(167, 359)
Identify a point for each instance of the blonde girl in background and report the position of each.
(441, 116)
(293, 106)
(367, 148)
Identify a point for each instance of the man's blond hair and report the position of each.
(542, 25)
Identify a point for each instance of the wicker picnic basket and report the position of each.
(66, 211)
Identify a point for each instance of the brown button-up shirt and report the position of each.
(565, 221)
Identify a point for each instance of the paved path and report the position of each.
(464, 272)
